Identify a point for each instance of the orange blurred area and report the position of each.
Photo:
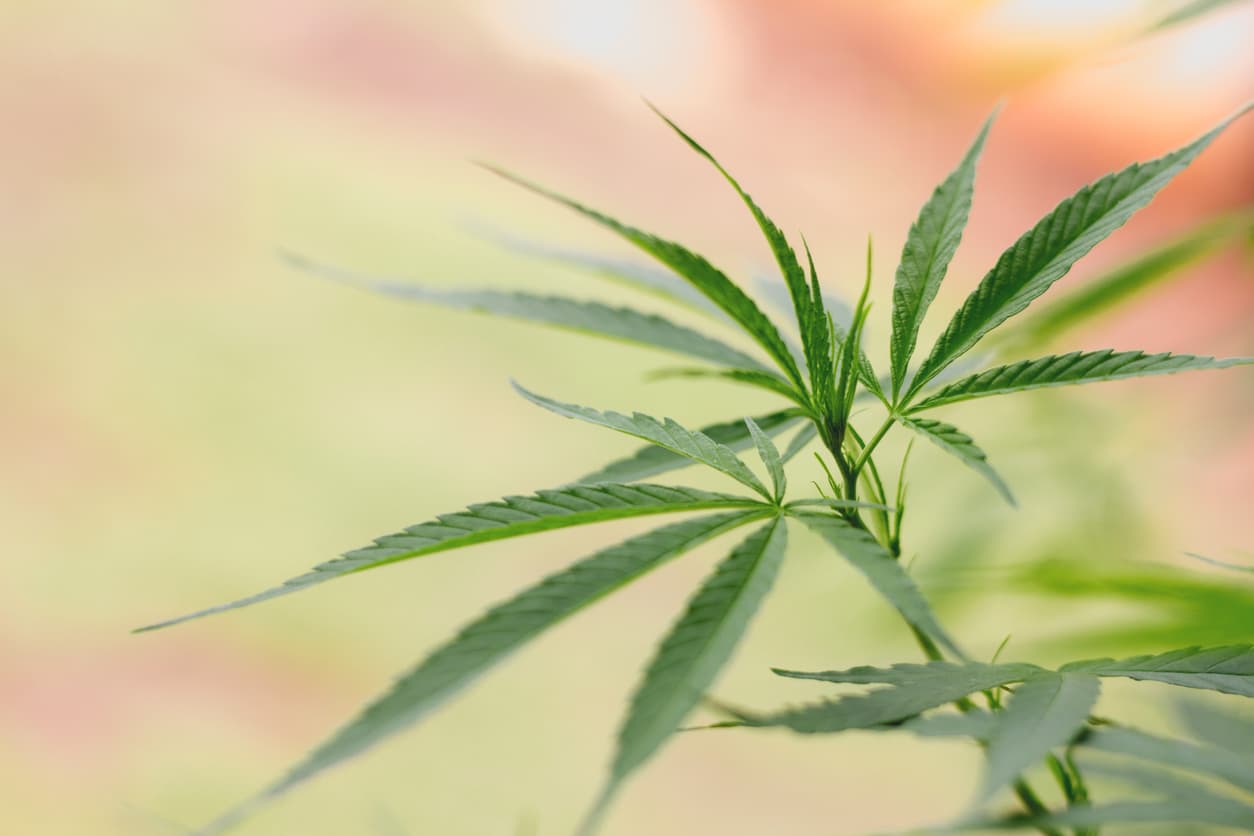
(186, 420)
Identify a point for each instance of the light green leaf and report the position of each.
(1180, 800)
(807, 305)
(592, 318)
(1235, 768)
(975, 724)
(930, 245)
(652, 460)
(1219, 725)
(1070, 369)
(1188, 11)
(770, 458)
(884, 706)
(1045, 253)
(496, 635)
(1229, 670)
(513, 516)
(694, 651)
(769, 381)
(1046, 711)
(957, 443)
(665, 433)
(800, 441)
(921, 675)
(883, 571)
(1206, 809)
(655, 281)
(700, 273)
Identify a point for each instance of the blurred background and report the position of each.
(185, 420)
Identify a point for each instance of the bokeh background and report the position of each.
(184, 419)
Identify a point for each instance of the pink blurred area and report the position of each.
(134, 155)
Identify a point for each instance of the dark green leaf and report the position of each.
(883, 571)
(592, 318)
(807, 306)
(694, 651)
(1069, 369)
(1046, 252)
(497, 634)
(513, 516)
(652, 460)
(665, 433)
(1044, 712)
(1229, 670)
(930, 245)
(1124, 282)
(957, 443)
(700, 273)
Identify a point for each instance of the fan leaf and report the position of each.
(514, 516)
(930, 246)
(694, 268)
(943, 683)
(808, 306)
(1070, 369)
(920, 675)
(665, 433)
(494, 636)
(769, 381)
(771, 458)
(653, 280)
(590, 318)
(1045, 711)
(1230, 766)
(1229, 670)
(691, 655)
(957, 443)
(652, 460)
(884, 572)
(1047, 252)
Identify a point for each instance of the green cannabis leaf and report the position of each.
(1021, 714)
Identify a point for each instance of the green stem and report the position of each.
(872, 444)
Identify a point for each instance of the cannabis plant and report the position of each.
(1020, 713)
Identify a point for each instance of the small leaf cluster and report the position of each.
(1020, 714)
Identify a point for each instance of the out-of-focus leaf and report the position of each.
(1126, 282)
(1235, 768)
(591, 318)
(700, 273)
